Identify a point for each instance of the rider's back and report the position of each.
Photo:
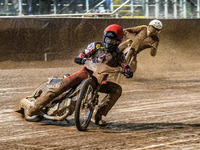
(140, 39)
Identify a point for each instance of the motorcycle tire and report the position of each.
(83, 110)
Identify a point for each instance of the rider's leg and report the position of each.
(47, 96)
(114, 91)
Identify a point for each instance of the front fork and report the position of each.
(95, 98)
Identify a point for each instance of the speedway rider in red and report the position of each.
(107, 53)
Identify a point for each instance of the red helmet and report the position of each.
(114, 31)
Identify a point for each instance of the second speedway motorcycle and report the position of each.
(80, 100)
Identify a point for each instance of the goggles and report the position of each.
(111, 41)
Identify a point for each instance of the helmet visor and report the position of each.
(111, 41)
(111, 35)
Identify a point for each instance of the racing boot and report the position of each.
(114, 92)
(41, 102)
(46, 97)
(97, 119)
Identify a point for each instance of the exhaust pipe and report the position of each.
(57, 118)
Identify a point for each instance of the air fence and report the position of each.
(39, 39)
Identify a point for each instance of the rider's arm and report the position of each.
(85, 54)
(133, 29)
(153, 52)
(88, 52)
(154, 48)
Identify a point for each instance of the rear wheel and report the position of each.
(84, 110)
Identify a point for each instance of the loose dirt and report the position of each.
(159, 108)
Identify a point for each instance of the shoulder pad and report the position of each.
(91, 46)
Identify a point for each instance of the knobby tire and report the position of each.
(78, 122)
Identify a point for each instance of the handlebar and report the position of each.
(99, 68)
(111, 71)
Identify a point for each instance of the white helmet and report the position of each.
(156, 24)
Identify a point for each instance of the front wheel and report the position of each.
(84, 109)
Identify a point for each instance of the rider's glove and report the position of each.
(80, 61)
(128, 72)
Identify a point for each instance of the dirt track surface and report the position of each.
(159, 108)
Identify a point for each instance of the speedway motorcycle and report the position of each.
(80, 100)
